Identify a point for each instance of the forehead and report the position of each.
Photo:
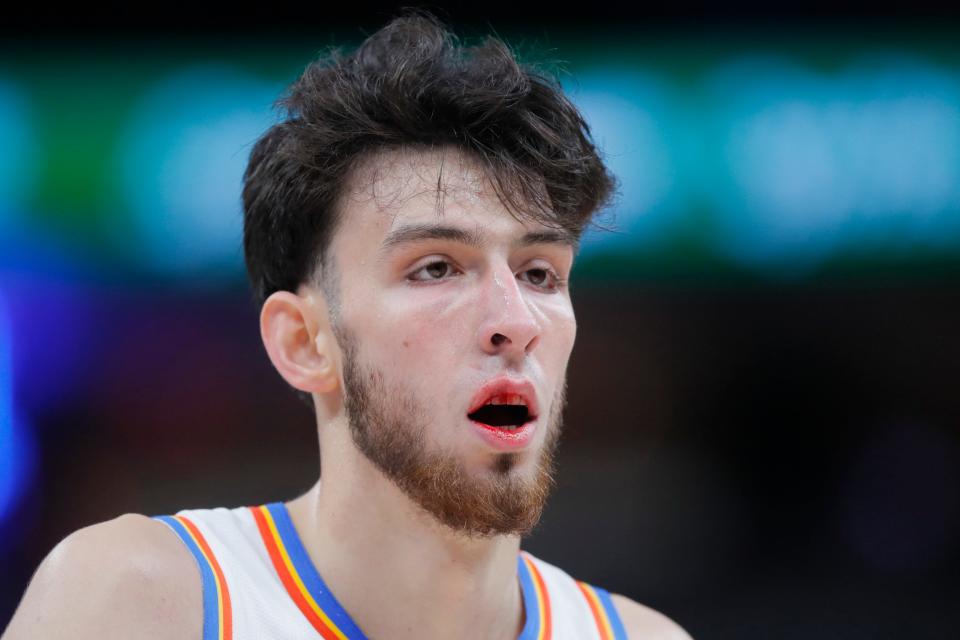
(418, 187)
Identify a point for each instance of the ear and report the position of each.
(295, 328)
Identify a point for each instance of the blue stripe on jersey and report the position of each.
(211, 610)
(619, 633)
(308, 573)
(531, 627)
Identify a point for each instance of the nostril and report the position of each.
(498, 339)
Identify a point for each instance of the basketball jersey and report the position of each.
(258, 582)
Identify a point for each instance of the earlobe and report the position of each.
(297, 338)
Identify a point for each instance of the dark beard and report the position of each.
(386, 425)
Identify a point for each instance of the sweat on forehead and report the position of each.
(438, 177)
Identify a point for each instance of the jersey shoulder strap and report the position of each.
(217, 603)
(243, 598)
(579, 610)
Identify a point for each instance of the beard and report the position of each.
(387, 424)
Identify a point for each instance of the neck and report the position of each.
(396, 570)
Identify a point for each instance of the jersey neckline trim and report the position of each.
(300, 578)
(310, 593)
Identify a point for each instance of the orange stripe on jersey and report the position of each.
(599, 613)
(543, 601)
(224, 609)
(290, 579)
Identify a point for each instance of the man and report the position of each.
(410, 229)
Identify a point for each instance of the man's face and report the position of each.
(447, 304)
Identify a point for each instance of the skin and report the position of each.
(434, 332)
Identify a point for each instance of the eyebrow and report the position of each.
(409, 234)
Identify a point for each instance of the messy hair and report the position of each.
(412, 84)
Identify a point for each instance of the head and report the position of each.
(409, 228)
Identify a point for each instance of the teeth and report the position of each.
(507, 398)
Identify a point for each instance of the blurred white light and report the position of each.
(625, 112)
(867, 158)
(905, 145)
(181, 164)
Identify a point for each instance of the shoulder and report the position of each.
(128, 577)
(643, 622)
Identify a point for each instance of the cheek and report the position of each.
(567, 328)
(426, 331)
(559, 325)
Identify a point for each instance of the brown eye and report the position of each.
(433, 271)
(538, 276)
(437, 269)
(543, 278)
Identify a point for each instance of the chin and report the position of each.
(516, 466)
(507, 464)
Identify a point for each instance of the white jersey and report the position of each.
(259, 583)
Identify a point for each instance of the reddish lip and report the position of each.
(504, 385)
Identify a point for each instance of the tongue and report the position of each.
(500, 415)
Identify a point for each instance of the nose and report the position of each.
(508, 326)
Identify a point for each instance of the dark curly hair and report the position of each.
(411, 84)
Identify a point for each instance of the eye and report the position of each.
(436, 270)
(543, 278)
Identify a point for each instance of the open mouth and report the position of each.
(504, 412)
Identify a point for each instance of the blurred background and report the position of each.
(763, 432)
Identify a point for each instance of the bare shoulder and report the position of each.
(644, 623)
(128, 577)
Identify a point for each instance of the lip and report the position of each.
(504, 385)
(502, 439)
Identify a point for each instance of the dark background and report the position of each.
(757, 456)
